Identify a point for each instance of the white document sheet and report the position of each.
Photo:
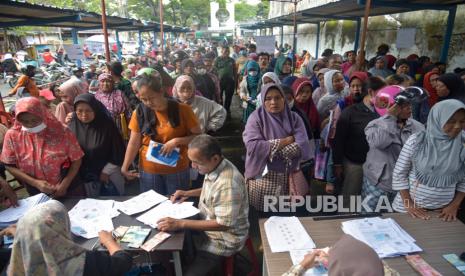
(168, 209)
(12, 214)
(385, 236)
(141, 202)
(286, 234)
(89, 228)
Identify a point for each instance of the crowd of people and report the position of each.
(383, 127)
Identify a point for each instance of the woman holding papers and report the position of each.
(276, 141)
(103, 146)
(430, 171)
(41, 153)
(171, 126)
(43, 246)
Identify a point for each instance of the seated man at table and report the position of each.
(223, 207)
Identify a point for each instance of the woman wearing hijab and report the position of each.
(302, 88)
(348, 256)
(115, 102)
(320, 91)
(40, 152)
(429, 83)
(267, 78)
(168, 123)
(276, 143)
(248, 89)
(283, 67)
(380, 68)
(188, 68)
(43, 245)
(211, 115)
(104, 148)
(68, 91)
(334, 85)
(450, 86)
(430, 171)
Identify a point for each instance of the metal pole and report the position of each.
(118, 45)
(294, 39)
(365, 27)
(317, 39)
(282, 35)
(162, 35)
(74, 34)
(448, 35)
(141, 50)
(357, 34)
(105, 31)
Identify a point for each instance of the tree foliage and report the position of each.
(245, 12)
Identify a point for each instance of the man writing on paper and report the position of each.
(223, 207)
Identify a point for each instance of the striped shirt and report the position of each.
(224, 199)
(404, 178)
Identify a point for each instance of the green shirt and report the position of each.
(225, 67)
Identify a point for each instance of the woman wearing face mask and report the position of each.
(205, 83)
(41, 153)
(211, 115)
(276, 143)
(68, 91)
(349, 148)
(386, 136)
(103, 146)
(188, 69)
(430, 171)
(283, 67)
(161, 120)
(115, 102)
(248, 89)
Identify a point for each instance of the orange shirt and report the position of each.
(31, 86)
(165, 132)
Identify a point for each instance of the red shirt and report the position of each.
(48, 58)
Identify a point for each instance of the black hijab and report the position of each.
(100, 139)
(455, 85)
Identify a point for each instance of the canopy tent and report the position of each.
(354, 10)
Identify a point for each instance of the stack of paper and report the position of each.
(89, 216)
(13, 214)
(385, 236)
(286, 234)
(140, 203)
(168, 209)
(153, 155)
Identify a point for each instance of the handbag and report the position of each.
(298, 185)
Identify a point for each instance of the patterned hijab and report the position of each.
(179, 81)
(113, 101)
(440, 160)
(43, 244)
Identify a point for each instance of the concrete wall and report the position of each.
(340, 35)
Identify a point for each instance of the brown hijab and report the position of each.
(351, 257)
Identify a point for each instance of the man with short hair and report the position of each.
(264, 62)
(227, 73)
(223, 207)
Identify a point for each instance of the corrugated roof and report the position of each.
(16, 13)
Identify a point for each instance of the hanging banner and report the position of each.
(265, 44)
(405, 38)
(74, 51)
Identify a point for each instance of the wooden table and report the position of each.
(434, 236)
(173, 245)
